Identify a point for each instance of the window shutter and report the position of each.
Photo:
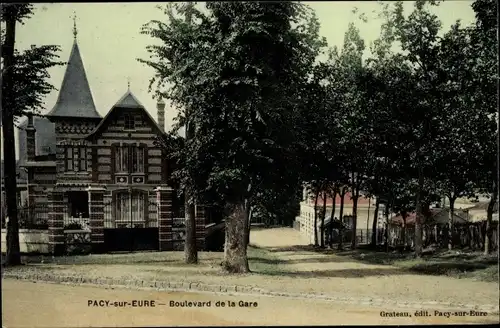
(65, 158)
(69, 156)
(113, 164)
(94, 167)
(146, 208)
(144, 149)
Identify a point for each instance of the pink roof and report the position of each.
(347, 200)
(437, 215)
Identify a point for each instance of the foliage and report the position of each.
(29, 74)
(23, 79)
(237, 73)
(229, 83)
(405, 126)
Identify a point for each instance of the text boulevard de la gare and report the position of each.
(172, 303)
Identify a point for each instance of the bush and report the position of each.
(73, 226)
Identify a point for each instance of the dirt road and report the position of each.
(27, 304)
(335, 274)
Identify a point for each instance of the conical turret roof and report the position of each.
(75, 98)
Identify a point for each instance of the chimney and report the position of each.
(160, 106)
(30, 139)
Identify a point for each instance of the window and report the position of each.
(129, 122)
(137, 160)
(78, 204)
(76, 158)
(130, 209)
(129, 159)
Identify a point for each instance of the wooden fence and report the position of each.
(31, 217)
(469, 235)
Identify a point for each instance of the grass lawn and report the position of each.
(458, 264)
(261, 261)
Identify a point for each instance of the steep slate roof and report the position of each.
(45, 137)
(75, 98)
(128, 100)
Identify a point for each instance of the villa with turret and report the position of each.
(104, 175)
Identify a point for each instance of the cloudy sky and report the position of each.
(110, 42)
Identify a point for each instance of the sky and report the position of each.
(110, 42)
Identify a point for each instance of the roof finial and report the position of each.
(128, 83)
(75, 32)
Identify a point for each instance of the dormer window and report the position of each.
(129, 122)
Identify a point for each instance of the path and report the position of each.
(285, 266)
(332, 274)
(27, 304)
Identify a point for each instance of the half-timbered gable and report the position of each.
(128, 161)
(125, 148)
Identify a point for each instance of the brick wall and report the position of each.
(200, 227)
(164, 200)
(96, 211)
(56, 222)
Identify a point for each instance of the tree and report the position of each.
(352, 112)
(24, 84)
(420, 116)
(403, 202)
(333, 192)
(343, 190)
(179, 35)
(190, 248)
(240, 77)
(484, 37)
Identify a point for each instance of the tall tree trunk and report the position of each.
(489, 220)
(341, 219)
(452, 199)
(368, 217)
(323, 214)
(419, 215)
(9, 153)
(332, 217)
(375, 223)
(386, 232)
(404, 215)
(249, 225)
(235, 252)
(316, 218)
(190, 250)
(355, 197)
